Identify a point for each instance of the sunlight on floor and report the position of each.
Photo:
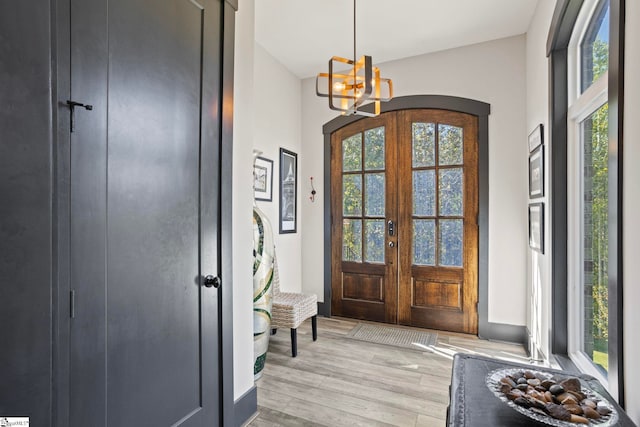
(343, 381)
(448, 351)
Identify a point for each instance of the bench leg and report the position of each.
(294, 342)
(314, 327)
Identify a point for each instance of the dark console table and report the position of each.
(472, 404)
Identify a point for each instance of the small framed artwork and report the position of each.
(536, 137)
(536, 227)
(263, 179)
(536, 173)
(288, 191)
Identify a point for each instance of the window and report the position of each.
(587, 190)
(363, 192)
(594, 47)
(582, 95)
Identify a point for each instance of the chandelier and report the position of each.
(355, 87)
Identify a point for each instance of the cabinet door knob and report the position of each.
(212, 281)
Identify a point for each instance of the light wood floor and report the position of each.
(337, 381)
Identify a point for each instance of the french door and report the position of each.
(364, 211)
(404, 220)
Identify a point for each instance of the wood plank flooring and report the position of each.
(337, 381)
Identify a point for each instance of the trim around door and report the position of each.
(463, 105)
(227, 404)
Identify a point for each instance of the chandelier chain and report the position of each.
(354, 41)
(354, 31)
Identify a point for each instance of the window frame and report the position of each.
(584, 106)
(562, 25)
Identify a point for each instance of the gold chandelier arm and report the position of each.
(358, 86)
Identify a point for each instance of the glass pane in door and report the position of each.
(374, 149)
(450, 242)
(374, 241)
(364, 196)
(352, 153)
(423, 144)
(352, 195)
(424, 193)
(424, 242)
(374, 194)
(450, 187)
(352, 240)
(449, 145)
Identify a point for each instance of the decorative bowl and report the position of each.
(493, 383)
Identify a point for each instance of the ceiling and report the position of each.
(304, 34)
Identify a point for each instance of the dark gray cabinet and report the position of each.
(111, 216)
(26, 211)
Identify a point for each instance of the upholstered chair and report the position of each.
(290, 309)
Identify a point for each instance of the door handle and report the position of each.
(391, 228)
(72, 106)
(212, 281)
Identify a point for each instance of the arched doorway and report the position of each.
(406, 201)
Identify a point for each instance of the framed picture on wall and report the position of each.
(536, 173)
(536, 227)
(536, 137)
(263, 179)
(288, 191)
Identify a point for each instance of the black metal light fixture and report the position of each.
(348, 91)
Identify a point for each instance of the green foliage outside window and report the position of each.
(363, 195)
(597, 201)
(599, 220)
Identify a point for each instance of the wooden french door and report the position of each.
(364, 204)
(404, 220)
(437, 220)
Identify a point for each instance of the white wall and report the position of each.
(492, 72)
(539, 265)
(242, 203)
(277, 124)
(266, 117)
(631, 201)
